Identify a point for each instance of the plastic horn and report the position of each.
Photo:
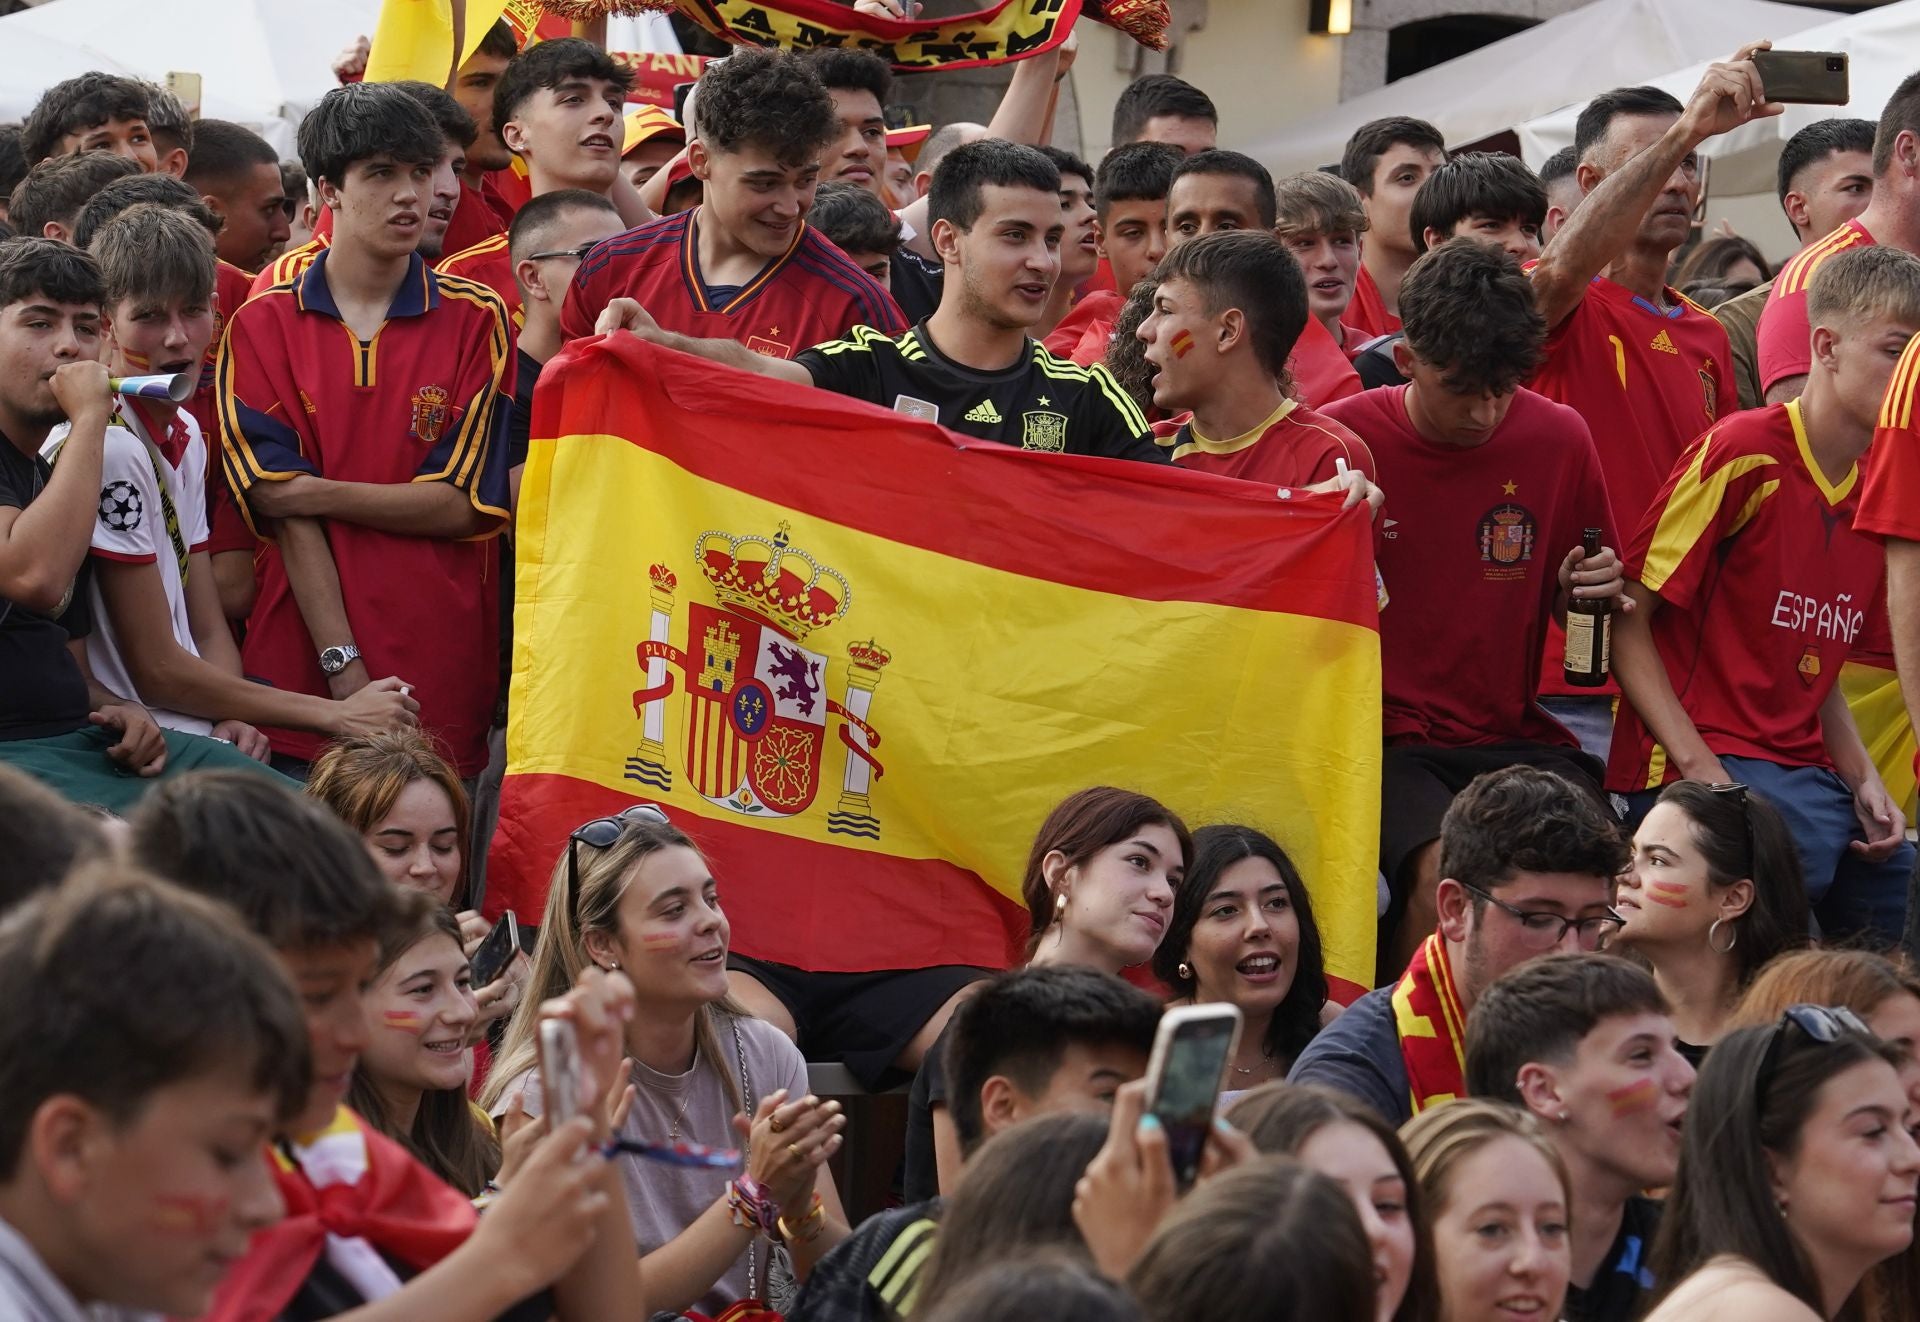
(176, 386)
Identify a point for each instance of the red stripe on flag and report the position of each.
(823, 907)
(1068, 519)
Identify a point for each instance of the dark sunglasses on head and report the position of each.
(601, 833)
(1824, 1024)
(575, 253)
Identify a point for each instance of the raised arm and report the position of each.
(1604, 225)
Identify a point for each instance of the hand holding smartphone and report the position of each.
(1191, 1052)
(1804, 77)
(502, 943)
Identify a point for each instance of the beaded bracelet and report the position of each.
(807, 1228)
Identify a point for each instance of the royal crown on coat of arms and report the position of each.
(758, 717)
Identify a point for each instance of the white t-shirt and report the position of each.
(130, 527)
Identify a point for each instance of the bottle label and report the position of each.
(1580, 643)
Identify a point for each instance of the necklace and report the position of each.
(1266, 1062)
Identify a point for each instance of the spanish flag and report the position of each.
(858, 658)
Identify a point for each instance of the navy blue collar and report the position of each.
(419, 291)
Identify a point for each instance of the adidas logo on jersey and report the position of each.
(984, 411)
(1664, 344)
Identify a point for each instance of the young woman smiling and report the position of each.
(1099, 887)
(411, 1081)
(1798, 1174)
(1243, 932)
(1499, 1196)
(632, 893)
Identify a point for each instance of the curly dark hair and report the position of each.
(1524, 819)
(549, 64)
(1215, 849)
(79, 104)
(845, 69)
(1468, 311)
(772, 99)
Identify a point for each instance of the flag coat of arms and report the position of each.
(859, 658)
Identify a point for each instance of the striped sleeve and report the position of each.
(1890, 495)
(1713, 492)
(850, 366)
(257, 442)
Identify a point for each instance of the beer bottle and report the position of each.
(1589, 630)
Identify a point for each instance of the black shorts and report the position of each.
(1419, 781)
(862, 1020)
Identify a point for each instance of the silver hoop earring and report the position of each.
(1733, 937)
(1185, 971)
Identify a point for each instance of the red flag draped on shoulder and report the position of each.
(859, 659)
(1006, 30)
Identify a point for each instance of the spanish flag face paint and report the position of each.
(1181, 343)
(1634, 1098)
(1667, 894)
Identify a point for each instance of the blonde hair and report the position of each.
(1864, 282)
(1315, 202)
(361, 777)
(560, 956)
(1440, 1138)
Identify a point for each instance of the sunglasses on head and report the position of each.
(1823, 1024)
(601, 833)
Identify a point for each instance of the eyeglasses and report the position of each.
(1824, 1024)
(575, 253)
(1550, 929)
(601, 833)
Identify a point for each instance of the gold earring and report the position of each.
(1185, 971)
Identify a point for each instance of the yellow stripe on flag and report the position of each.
(413, 39)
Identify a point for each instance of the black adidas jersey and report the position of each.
(1039, 403)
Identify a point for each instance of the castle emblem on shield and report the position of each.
(758, 716)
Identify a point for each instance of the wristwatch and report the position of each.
(336, 659)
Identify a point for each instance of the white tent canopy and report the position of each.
(263, 63)
(1884, 46)
(1609, 43)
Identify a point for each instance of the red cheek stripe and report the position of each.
(1634, 1097)
(184, 1214)
(404, 1021)
(1182, 343)
(1672, 894)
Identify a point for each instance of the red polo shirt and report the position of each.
(425, 400)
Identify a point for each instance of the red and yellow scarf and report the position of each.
(1005, 30)
(1432, 1027)
(352, 1183)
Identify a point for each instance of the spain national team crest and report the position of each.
(430, 413)
(1506, 539)
(1043, 430)
(759, 716)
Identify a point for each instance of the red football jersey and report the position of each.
(1320, 369)
(1470, 551)
(1764, 585)
(1783, 344)
(489, 262)
(1646, 381)
(289, 264)
(1291, 447)
(427, 399)
(1083, 333)
(810, 294)
(1367, 313)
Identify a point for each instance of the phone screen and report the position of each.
(497, 951)
(1189, 1087)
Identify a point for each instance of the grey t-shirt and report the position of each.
(664, 1200)
(29, 1292)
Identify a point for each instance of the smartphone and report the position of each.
(1804, 77)
(1191, 1052)
(186, 86)
(497, 951)
(560, 1071)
